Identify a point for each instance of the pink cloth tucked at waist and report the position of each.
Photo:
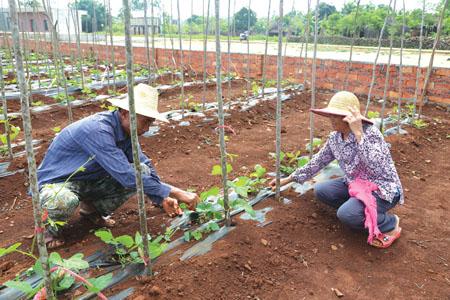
(362, 190)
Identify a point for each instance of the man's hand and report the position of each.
(171, 207)
(283, 181)
(188, 198)
(355, 122)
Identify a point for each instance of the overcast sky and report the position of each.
(259, 6)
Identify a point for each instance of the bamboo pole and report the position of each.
(107, 60)
(152, 15)
(223, 153)
(111, 39)
(416, 91)
(278, 109)
(5, 111)
(134, 138)
(181, 60)
(374, 68)
(147, 47)
(229, 26)
(59, 63)
(171, 37)
(26, 119)
(352, 43)
(388, 67)
(288, 36)
(313, 80)
(190, 34)
(248, 49)
(25, 47)
(266, 45)
(400, 70)
(305, 60)
(205, 44)
(430, 65)
(78, 38)
(164, 36)
(94, 32)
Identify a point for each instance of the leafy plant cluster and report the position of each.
(14, 132)
(130, 249)
(211, 208)
(64, 273)
(290, 161)
(407, 111)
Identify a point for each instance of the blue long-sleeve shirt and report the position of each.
(100, 136)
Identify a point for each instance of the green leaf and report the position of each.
(217, 169)
(65, 283)
(315, 143)
(76, 262)
(156, 249)
(302, 161)
(125, 240)
(55, 259)
(20, 285)
(38, 268)
(105, 235)
(259, 171)
(99, 283)
(241, 203)
(213, 226)
(10, 249)
(138, 238)
(214, 191)
(197, 235)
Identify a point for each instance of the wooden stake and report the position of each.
(26, 119)
(223, 153)
(134, 138)
(278, 110)
(313, 80)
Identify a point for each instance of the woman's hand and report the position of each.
(354, 121)
(283, 181)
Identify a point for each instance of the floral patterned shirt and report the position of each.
(370, 159)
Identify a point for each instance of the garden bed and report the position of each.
(299, 259)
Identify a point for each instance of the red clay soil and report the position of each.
(299, 261)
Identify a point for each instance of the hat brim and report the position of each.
(329, 112)
(123, 103)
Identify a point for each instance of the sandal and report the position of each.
(384, 240)
(98, 220)
(51, 241)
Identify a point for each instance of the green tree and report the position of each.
(325, 10)
(87, 21)
(241, 19)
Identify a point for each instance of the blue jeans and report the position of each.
(350, 210)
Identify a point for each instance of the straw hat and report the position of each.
(340, 105)
(145, 102)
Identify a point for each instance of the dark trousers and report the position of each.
(350, 210)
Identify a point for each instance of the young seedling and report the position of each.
(14, 132)
(64, 273)
(131, 250)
